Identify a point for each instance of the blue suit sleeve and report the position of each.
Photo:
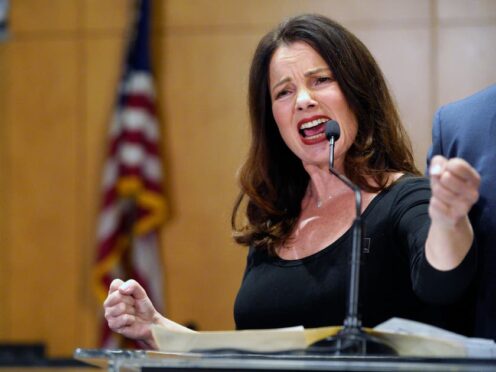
(437, 143)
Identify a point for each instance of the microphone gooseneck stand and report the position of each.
(352, 339)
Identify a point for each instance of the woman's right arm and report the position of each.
(130, 312)
(410, 215)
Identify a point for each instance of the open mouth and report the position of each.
(313, 131)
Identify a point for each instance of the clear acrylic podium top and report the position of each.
(139, 360)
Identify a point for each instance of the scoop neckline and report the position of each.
(327, 250)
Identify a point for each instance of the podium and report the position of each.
(139, 360)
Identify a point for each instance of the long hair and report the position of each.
(273, 179)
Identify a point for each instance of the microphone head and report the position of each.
(332, 130)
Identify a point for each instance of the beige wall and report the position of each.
(58, 76)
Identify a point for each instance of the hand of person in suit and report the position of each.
(455, 189)
(130, 312)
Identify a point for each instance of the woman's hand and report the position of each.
(130, 312)
(455, 189)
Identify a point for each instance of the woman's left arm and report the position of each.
(455, 189)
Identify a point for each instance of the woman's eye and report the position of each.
(282, 93)
(323, 79)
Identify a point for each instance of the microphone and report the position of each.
(351, 340)
(332, 133)
(332, 130)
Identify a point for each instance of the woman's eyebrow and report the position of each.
(280, 82)
(306, 74)
(316, 70)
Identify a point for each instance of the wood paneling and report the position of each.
(193, 14)
(55, 73)
(4, 163)
(474, 11)
(108, 15)
(206, 140)
(58, 76)
(474, 65)
(404, 60)
(39, 16)
(43, 127)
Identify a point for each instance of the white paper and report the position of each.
(474, 347)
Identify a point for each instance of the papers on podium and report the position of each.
(407, 337)
(473, 347)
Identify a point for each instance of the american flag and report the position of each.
(133, 206)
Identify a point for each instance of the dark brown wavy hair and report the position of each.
(273, 180)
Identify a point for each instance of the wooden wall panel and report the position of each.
(206, 136)
(4, 250)
(407, 50)
(193, 14)
(55, 16)
(107, 16)
(58, 76)
(466, 36)
(43, 126)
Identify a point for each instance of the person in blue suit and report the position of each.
(467, 129)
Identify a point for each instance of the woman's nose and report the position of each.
(304, 100)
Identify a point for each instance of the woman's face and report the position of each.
(304, 96)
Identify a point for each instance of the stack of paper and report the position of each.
(473, 347)
(407, 337)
